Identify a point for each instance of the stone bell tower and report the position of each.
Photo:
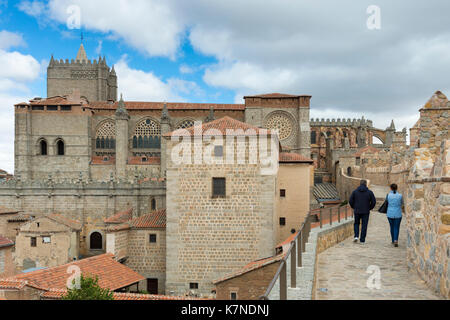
(95, 80)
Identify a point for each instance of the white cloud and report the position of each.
(10, 39)
(185, 69)
(149, 26)
(139, 85)
(16, 72)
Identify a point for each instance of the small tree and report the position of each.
(89, 290)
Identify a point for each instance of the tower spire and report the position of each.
(81, 55)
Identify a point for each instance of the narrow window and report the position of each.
(33, 241)
(218, 151)
(219, 187)
(60, 147)
(349, 171)
(282, 193)
(193, 285)
(43, 145)
(152, 238)
(282, 221)
(233, 296)
(153, 204)
(313, 137)
(358, 161)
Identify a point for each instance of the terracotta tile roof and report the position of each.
(366, 149)
(12, 284)
(154, 219)
(287, 241)
(57, 294)
(101, 160)
(111, 274)
(5, 242)
(286, 157)
(52, 101)
(140, 161)
(221, 125)
(138, 105)
(252, 266)
(74, 224)
(20, 218)
(276, 95)
(120, 217)
(4, 210)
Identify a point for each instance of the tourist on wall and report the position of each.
(362, 201)
(394, 212)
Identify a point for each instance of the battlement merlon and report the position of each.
(341, 122)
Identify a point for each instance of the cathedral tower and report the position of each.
(95, 80)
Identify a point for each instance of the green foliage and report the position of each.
(343, 203)
(89, 290)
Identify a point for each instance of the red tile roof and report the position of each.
(120, 217)
(111, 274)
(286, 157)
(101, 160)
(221, 125)
(366, 149)
(4, 210)
(5, 242)
(74, 224)
(58, 293)
(154, 219)
(251, 266)
(139, 105)
(276, 95)
(12, 284)
(19, 218)
(139, 160)
(52, 101)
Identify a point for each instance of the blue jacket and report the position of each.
(362, 200)
(395, 203)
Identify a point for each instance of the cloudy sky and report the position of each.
(217, 51)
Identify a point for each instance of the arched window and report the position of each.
(185, 124)
(43, 148)
(153, 204)
(147, 135)
(96, 241)
(105, 137)
(349, 171)
(60, 148)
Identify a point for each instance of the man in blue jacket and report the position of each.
(362, 201)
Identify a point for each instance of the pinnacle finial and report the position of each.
(392, 125)
(165, 113)
(211, 115)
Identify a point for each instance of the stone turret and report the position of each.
(390, 133)
(122, 118)
(94, 79)
(210, 117)
(165, 128)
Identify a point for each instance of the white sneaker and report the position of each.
(356, 239)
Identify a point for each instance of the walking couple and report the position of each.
(363, 201)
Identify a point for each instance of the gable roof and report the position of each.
(73, 224)
(325, 192)
(5, 242)
(111, 274)
(286, 157)
(221, 125)
(120, 217)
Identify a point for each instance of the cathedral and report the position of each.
(86, 154)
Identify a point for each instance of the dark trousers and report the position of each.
(395, 227)
(365, 221)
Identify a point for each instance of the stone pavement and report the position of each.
(342, 269)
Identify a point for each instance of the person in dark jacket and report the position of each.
(362, 201)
